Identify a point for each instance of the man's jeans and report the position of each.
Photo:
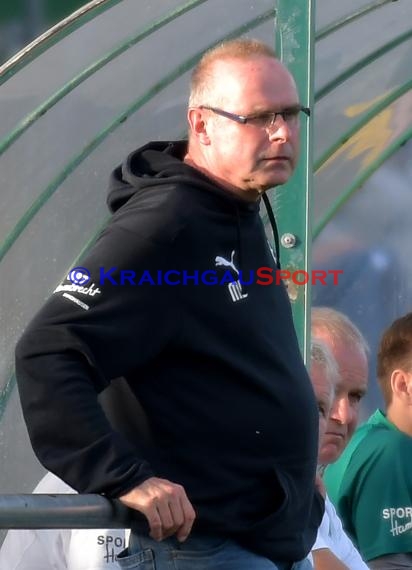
(196, 553)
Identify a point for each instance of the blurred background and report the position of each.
(23, 20)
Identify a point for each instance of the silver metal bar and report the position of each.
(64, 511)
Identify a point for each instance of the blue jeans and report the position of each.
(196, 553)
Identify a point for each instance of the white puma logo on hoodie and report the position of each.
(235, 288)
(219, 260)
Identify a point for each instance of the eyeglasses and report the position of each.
(264, 120)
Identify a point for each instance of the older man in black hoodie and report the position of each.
(214, 360)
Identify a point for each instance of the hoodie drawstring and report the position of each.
(239, 237)
(272, 221)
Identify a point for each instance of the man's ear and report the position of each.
(198, 125)
(401, 384)
(409, 386)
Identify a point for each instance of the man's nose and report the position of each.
(280, 130)
(341, 411)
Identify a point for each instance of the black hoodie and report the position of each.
(217, 368)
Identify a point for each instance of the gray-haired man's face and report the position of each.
(323, 392)
(349, 391)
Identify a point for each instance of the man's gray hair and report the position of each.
(203, 81)
(339, 327)
(322, 355)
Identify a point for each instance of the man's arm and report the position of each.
(70, 352)
(324, 559)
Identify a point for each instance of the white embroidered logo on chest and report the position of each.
(235, 287)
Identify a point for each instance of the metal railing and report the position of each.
(63, 511)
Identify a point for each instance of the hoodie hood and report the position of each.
(162, 162)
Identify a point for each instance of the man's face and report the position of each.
(246, 156)
(350, 389)
(323, 392)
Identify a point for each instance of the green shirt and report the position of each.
(371, 487)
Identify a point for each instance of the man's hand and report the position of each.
(165, 505)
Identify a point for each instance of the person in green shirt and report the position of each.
(371, 483)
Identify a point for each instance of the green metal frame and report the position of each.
(361, 64)
(25, 123)
(37, 204)
(374, 110)
(54, 35)
(295, 46)
(327, 30)
(360, 180)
